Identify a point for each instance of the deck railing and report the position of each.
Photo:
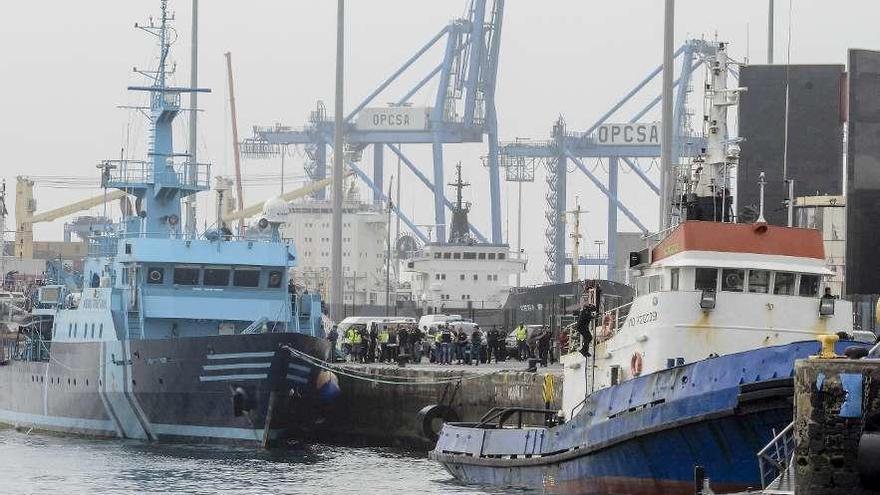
(775, 457)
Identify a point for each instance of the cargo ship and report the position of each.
(175, 335)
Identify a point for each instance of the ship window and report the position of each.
(69, 330)
(732, 280)
(442, 276)
(217, 277)
(655, 282)
(759, 281)
(74, 330)
(809, 286)
(784, 284)
(456, 256)
(246, 278)
(275, 279)
(437, 256)
(481, 256)
(501, 256)
(706, 279)
(673, 279)
(470, 256)
(476, 277)
(461, 277)
(155, 275)
(446, 256)
(491, 256)
(184, 275)
(101, 331)
(93, 330)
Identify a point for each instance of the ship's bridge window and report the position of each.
(655, 282)
(732, 279)
(447, 256)
(456, 256)
(470, 256)
(217, 276)
(759, 281)
(783, 284)
(501, 256)
(245, 277)
(275, 279)
(482, 256)
(155, 275)
(186, 275)
(809, 286)
(491, 256)
(437, 256)
(673, 278)
(706, 279)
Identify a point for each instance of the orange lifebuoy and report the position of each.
(635, 364)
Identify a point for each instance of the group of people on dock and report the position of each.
(443, 344)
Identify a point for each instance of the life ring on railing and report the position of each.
(607, 327)
(635, 364)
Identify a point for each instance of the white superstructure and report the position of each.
(711, 289)
(451, 277)
(364, 230)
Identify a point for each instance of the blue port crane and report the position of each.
(599, 142)
(463, 112)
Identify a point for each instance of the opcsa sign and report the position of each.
(628, 134)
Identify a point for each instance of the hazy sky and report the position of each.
(65, 67)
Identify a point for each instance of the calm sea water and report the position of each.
(48, 464)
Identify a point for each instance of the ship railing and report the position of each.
(106, 245)
(775, 457)
(182, 174)
(612, 321)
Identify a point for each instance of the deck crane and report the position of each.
(26, 215)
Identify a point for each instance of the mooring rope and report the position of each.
(386, 379)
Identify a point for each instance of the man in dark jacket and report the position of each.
(333, 336)
(374, 342)
(544, 345)
(461, 341)
(446, 345)
(476, 344)
(492, 344)
(403, 340)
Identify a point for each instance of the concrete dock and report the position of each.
(373, 412)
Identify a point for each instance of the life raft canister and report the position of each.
(635, 364)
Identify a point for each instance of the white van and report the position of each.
(431, 322)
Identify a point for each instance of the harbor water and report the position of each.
(36, 463)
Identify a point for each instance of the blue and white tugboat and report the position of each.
(696, 371)
(175, 336)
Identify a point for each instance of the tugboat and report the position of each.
(696, 371)
(174, 336)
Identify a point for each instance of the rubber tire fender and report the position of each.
(429, 414)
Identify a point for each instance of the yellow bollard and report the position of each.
(827, 350)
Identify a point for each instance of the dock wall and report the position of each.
(837, 403)
(372, 413)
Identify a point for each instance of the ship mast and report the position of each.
(159, 183)
(459, 230)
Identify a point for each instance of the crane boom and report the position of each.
(255, 209)
(236, 145)
(85, 204)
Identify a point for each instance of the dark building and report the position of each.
(863, 174)
(815, 135)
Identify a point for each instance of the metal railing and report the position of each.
(192, 175)
(775, 457)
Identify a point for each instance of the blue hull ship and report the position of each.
(176, 336)
(644, 436)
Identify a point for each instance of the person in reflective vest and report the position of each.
(521, 341)
(383, 344)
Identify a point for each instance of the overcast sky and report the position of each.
(65, 67)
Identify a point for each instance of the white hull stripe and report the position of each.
(300, 368)
(241, 355)
(237, 366)
(297, 379)
(213, 432)
(39, 420)
(221, 378)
